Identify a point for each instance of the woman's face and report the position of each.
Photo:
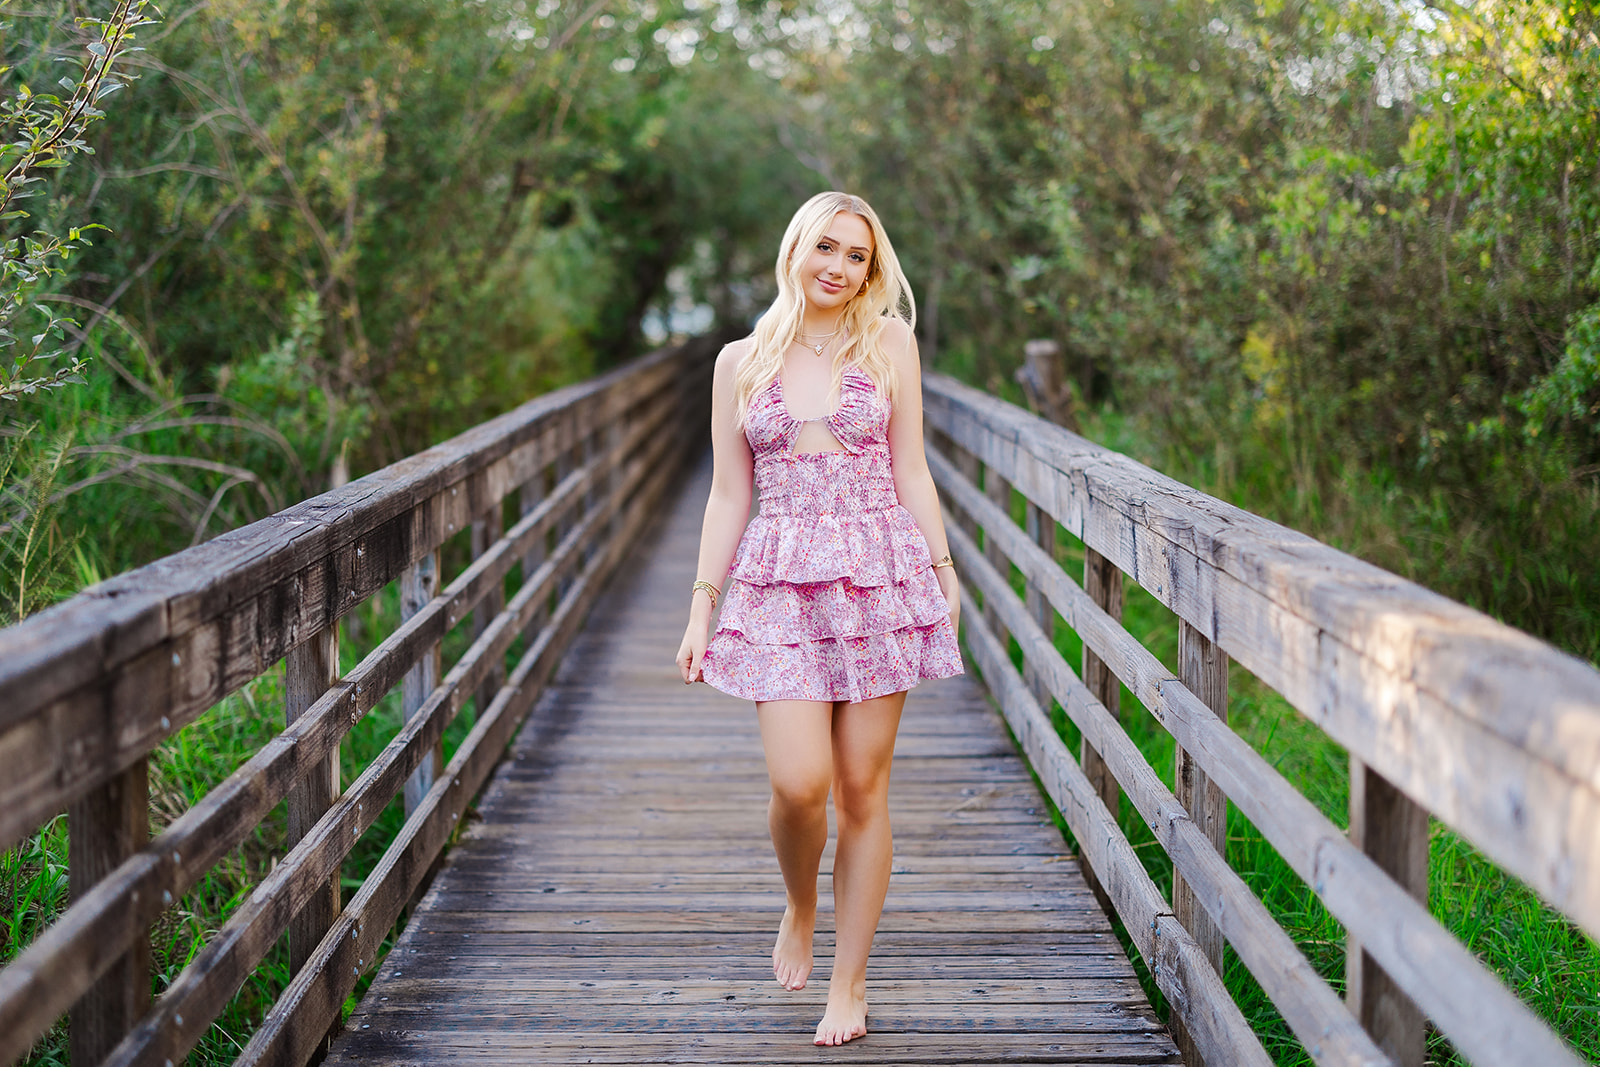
(837, 265)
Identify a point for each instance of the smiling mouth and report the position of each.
(829, 286)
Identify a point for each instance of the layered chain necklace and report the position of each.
(818, 346)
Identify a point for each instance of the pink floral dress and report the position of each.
(832, 595)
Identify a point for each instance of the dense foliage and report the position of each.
(1336, 262)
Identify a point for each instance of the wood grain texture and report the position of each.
(95, 683)
(106, 826)
(1389, 827)
(108, 919)
(1464, 999)
(617, 899)
(1312, 1010)
(1494, 732)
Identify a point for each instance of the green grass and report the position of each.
(1553, 966)
(33, 877)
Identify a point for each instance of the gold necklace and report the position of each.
(820, 345)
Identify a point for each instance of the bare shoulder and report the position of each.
(733, 353)
(901, 345)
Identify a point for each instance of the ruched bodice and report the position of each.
(831, 593)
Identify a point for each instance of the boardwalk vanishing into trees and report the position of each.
(616, 899)
(611, 897)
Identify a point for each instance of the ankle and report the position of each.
(802, 909)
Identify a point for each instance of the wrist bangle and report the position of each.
(944, 561)
(711, 591)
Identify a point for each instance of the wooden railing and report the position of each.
(89, 688)
(1442, 711)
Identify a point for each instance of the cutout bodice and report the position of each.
(855, 477)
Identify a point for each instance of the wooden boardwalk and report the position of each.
(616, 900)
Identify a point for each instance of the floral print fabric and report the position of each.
(831, 595)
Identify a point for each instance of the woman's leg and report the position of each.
(863, 748)
(797, 738)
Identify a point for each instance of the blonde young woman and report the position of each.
(839, 596)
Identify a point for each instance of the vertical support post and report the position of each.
(418, 585)
(486, 530)
(105, 826)
(1103, 582)
(1392, 829)
(967, 464)
(1203, 669)
(1042, 531)
(997, 489)
(530, 496)
(311, 668)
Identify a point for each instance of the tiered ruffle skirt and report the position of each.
(831, 607)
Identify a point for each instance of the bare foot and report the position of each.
(844, 1019)
(791, 956)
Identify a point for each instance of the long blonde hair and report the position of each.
(885, 292)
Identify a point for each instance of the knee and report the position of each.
(858, 800)
(800, 794)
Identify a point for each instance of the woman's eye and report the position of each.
(858, 257)
(825, 247)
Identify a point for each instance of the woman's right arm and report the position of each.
(727, 508)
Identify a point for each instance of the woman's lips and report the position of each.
(828, 286)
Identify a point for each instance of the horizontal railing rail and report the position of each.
(1442, 711)
(93, 686)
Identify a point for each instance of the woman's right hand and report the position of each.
(693, 650)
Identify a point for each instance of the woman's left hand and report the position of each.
(950, 586)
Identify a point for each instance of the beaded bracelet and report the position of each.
(711, 591)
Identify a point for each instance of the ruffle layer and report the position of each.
(850, 669)
(783, 613)
(870, 548)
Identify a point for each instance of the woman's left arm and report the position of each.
(913, 483)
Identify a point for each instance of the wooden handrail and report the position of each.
(1316, 625)
(131, 661)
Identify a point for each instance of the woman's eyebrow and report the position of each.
(853, 248)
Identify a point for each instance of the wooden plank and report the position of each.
(1103, 582)
(314, 999)
(650, 926)
(93, 684)
(487, 530)
(312, 668)
(309, 671)
(1179, 968)
(1457, 992)
(1312, 1010)
(1391, 829)
(1204, 670)
(418, 586)
(107, 825)
(1496, 733)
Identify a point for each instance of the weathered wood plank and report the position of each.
(311, 670)
(418, 586)
(1180, 970)
(106, 826)
(1491, 730)
(1393, 831)
(1458, 993)
(649, 926)
(95, 683)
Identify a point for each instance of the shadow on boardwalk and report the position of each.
(617, 901)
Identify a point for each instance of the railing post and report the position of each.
(1203, 668)
(419, 585)
(997, 489)
(310, 669)
(486, 530)
(1103, 582)
(530, 496)
(105, 826)
(1392, 829)
(1042, 531)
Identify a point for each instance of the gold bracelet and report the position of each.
(711, 591)
(944, 561)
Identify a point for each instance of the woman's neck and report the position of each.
(817, 322)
